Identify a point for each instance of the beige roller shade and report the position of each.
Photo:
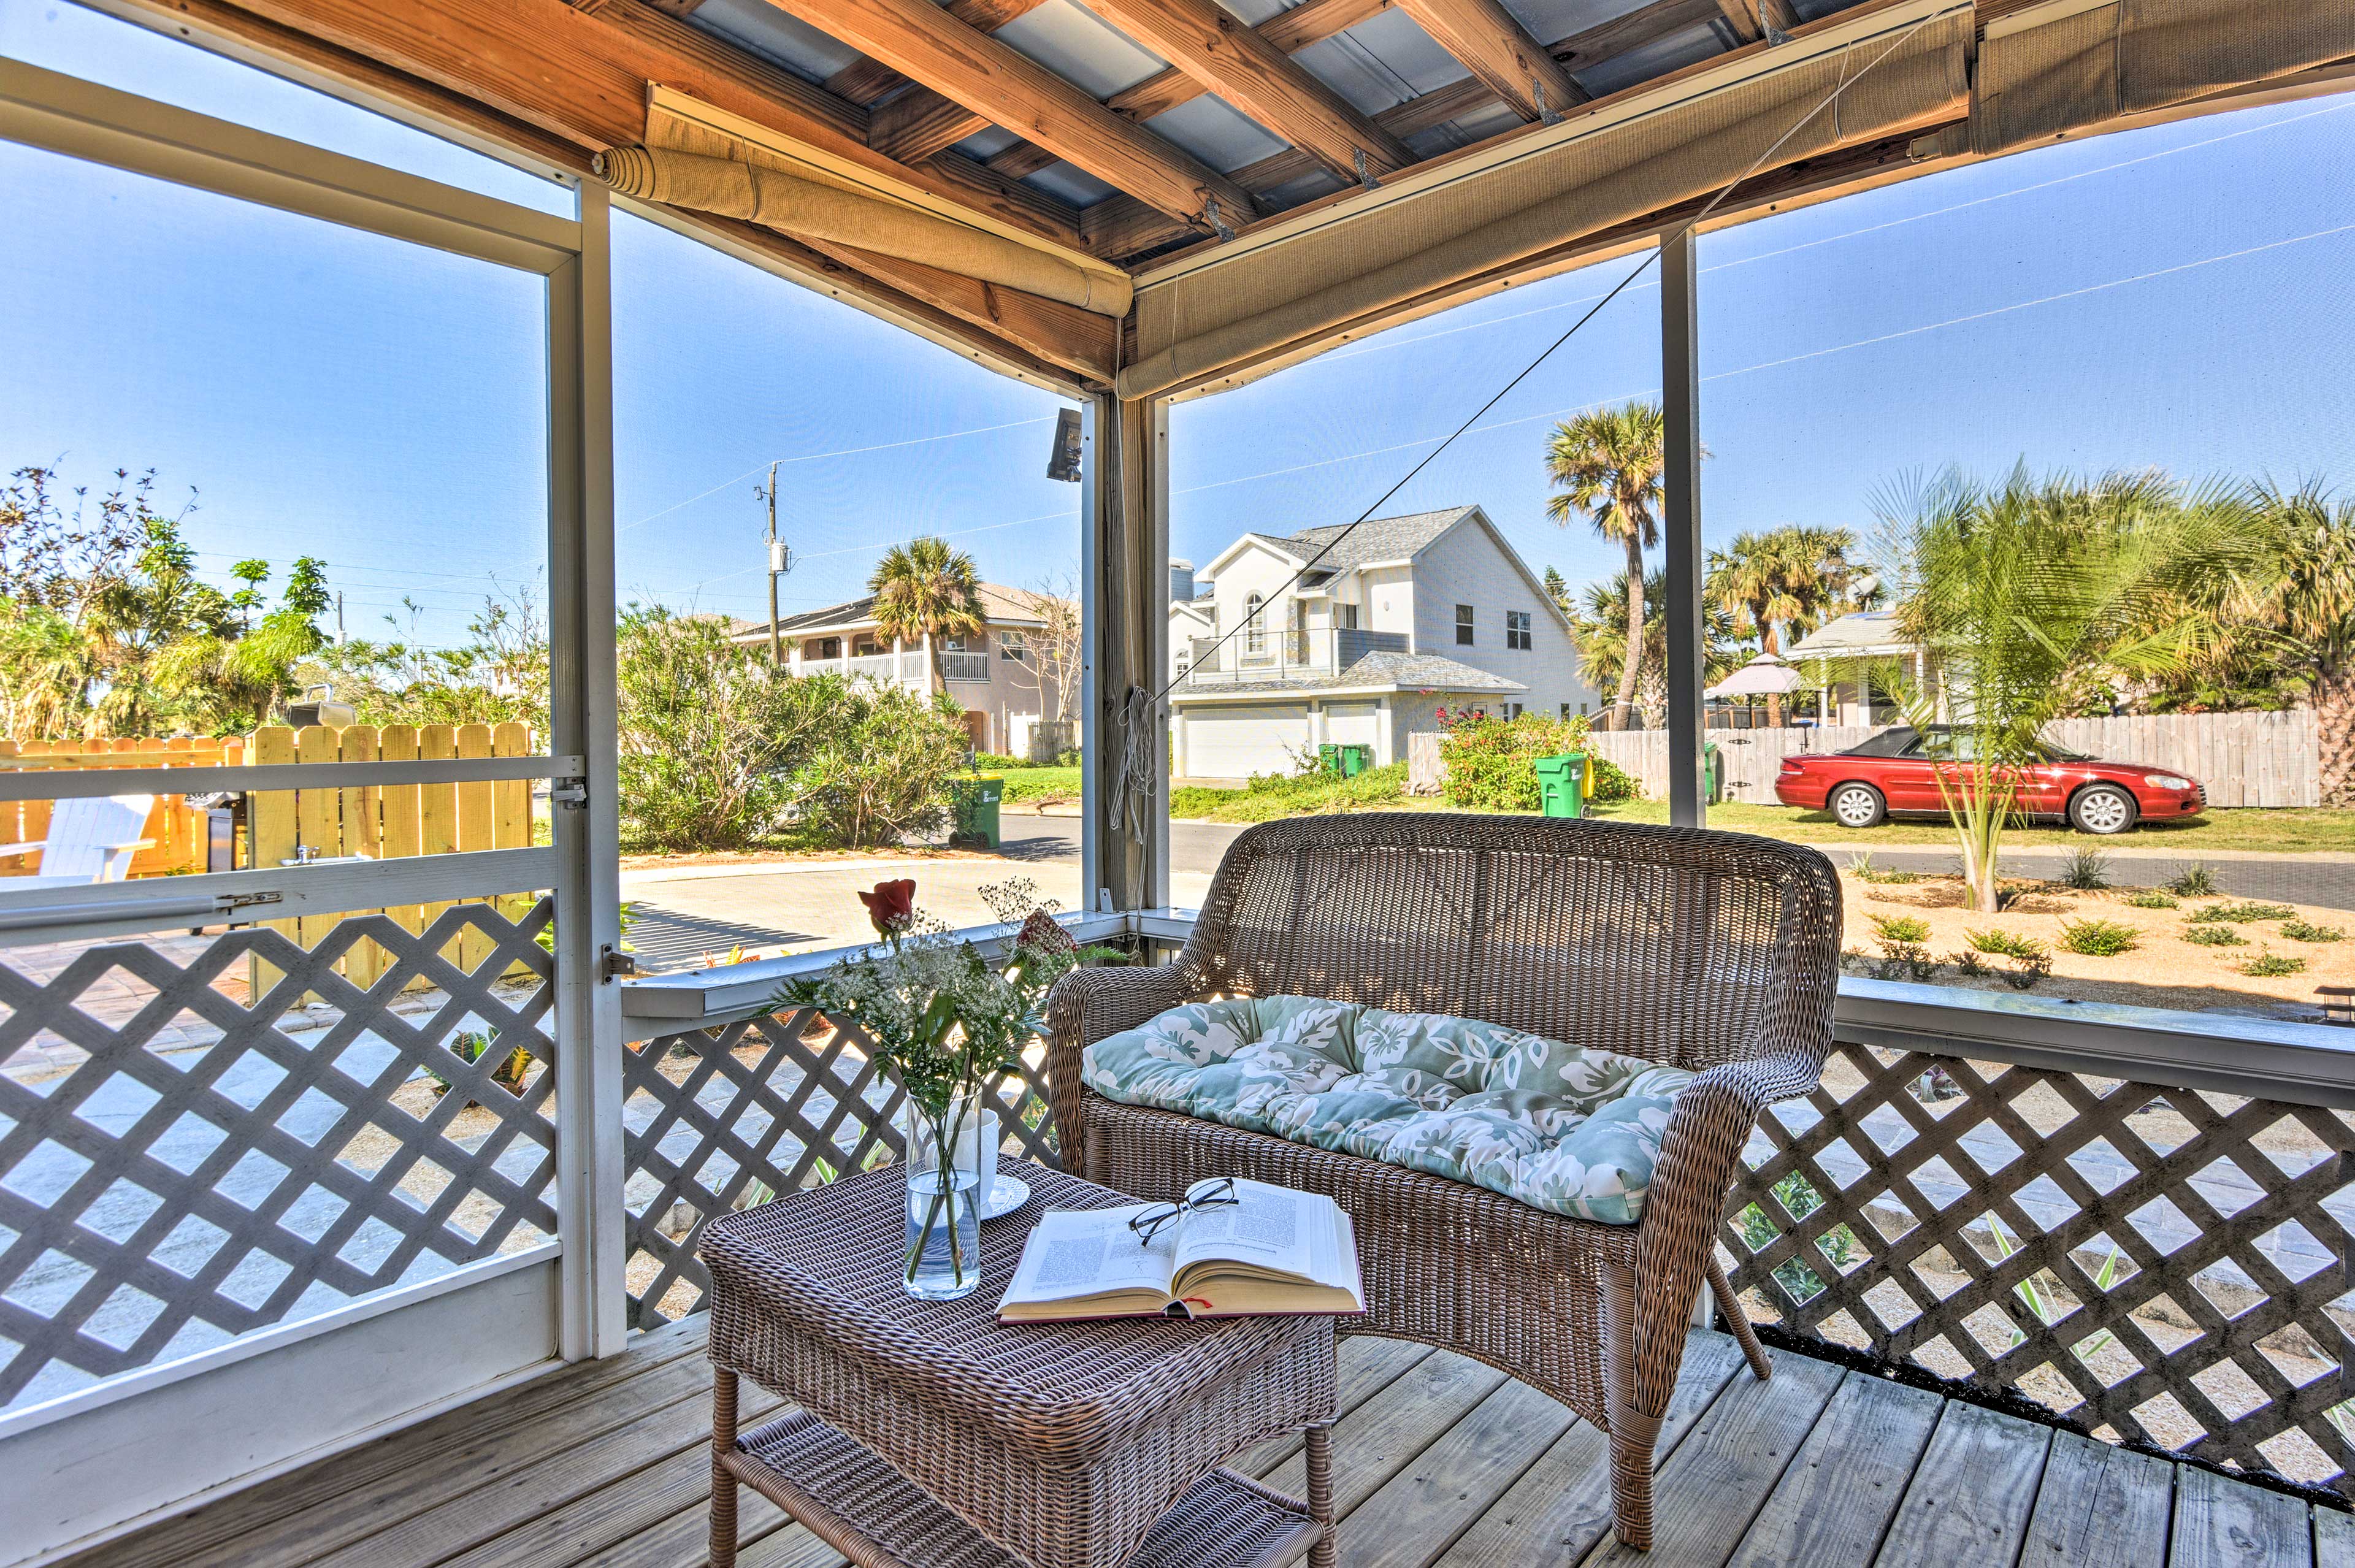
(1199, 317)
(704, 159)
(2071, 63)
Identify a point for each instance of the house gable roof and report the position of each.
(1375, 672)
(1000, 607)
(1853, 636)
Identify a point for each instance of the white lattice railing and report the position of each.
(2138, 1219)
(182, 1164)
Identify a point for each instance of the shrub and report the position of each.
(1900, 928)
(2243, 911)
(710, 732)
(2005, 944)
(2306, 930)
(2149, 898)
(881, 768)
(2269, 964)
(2214, 937)
(1966, 961)
(2099, 938)
(2029, 967)
(2197, 881)
(2088, 871)
(1797, 1198)
(1614, 785)
(1489, 761)
(1910, 960)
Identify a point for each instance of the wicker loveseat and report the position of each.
(1712, 952)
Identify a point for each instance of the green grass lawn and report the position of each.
(1029, 787)
(1384, 789)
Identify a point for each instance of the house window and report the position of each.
(1516, 630)
(1565, 710)
(827, 648)
(1512, 711)
(1464, 625)
(1013, 647)
(1346, 617)
(1254, 631)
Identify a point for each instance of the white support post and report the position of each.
(1093, 444)
(592, 1308)
(1680, 384)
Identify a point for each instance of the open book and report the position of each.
(1272, 1250)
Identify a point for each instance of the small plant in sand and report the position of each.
(1900, 928)
(2306, 930)
(2151, 898)
(2269, 964)
(2214, 937)
(1967, 962)
(2004, 943)
(2242, 912)
(2088, 871)
(2196, 881)
(1864, 869)
(2099, 938)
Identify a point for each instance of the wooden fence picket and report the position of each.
(437, 812)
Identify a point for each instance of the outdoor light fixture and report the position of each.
(1065, 463)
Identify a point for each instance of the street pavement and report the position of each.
(689, 918)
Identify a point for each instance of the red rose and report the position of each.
(891, 906)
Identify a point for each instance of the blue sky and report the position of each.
(2173, 297)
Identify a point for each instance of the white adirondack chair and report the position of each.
(90, 840)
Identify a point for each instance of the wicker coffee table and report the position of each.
(930, 1436)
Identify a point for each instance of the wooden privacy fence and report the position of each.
(387, 822)
(2270, 759)
(178, 827)
(378, 822)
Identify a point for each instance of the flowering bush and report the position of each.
(1489, 759)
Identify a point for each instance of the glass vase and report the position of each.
(942, 1261)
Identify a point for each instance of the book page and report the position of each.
(1079, 1253)
(1271, 1228)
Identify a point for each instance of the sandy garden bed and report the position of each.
(2164, 968)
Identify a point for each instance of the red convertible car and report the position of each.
(1893, 774)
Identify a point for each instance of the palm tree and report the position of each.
(924, 589)
(2031, 594)
(1601, 641)
(1608, 465)
(2308, 609)
(1787, 578)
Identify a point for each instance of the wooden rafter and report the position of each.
(1494, 48)
(869, 80)
(922, 41)
(1118, 228)
(1214, 46)
(436, 62)
(1741, 16)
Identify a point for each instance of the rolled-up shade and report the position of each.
(700, 158)
(2071, 63)
(1201, 317)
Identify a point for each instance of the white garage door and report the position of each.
(1236, 742)
(1353, 724)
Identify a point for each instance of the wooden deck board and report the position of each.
(1439, 1463)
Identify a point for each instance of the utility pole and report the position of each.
(339, 620)
(776, 568)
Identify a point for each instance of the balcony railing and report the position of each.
(2127, 1220)
(1317, 652)
(965, 666)
(905, 667)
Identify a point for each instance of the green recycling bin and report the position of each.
(1328, 760)
(1356, 760)
(1712, 770)
(977, 798)
(1561, 785)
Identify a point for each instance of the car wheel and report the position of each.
(1858, 806)
(2105, 809)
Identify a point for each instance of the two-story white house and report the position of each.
(1399, 618)
(1003, 677)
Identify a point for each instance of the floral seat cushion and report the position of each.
(1556, 1127)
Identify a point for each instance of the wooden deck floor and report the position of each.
(1439, 1463)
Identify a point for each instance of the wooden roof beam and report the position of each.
(868, 81)
(1741, 16)
(1213, 45)
(922, 41)
(1496, 49)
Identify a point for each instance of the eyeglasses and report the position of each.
(1210, 1194)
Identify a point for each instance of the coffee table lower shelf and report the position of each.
(852, 1500)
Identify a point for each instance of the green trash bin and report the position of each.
(1356, 760)
(1328, 760)
(977, 798)
(1561, 785)
(1712, 773)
